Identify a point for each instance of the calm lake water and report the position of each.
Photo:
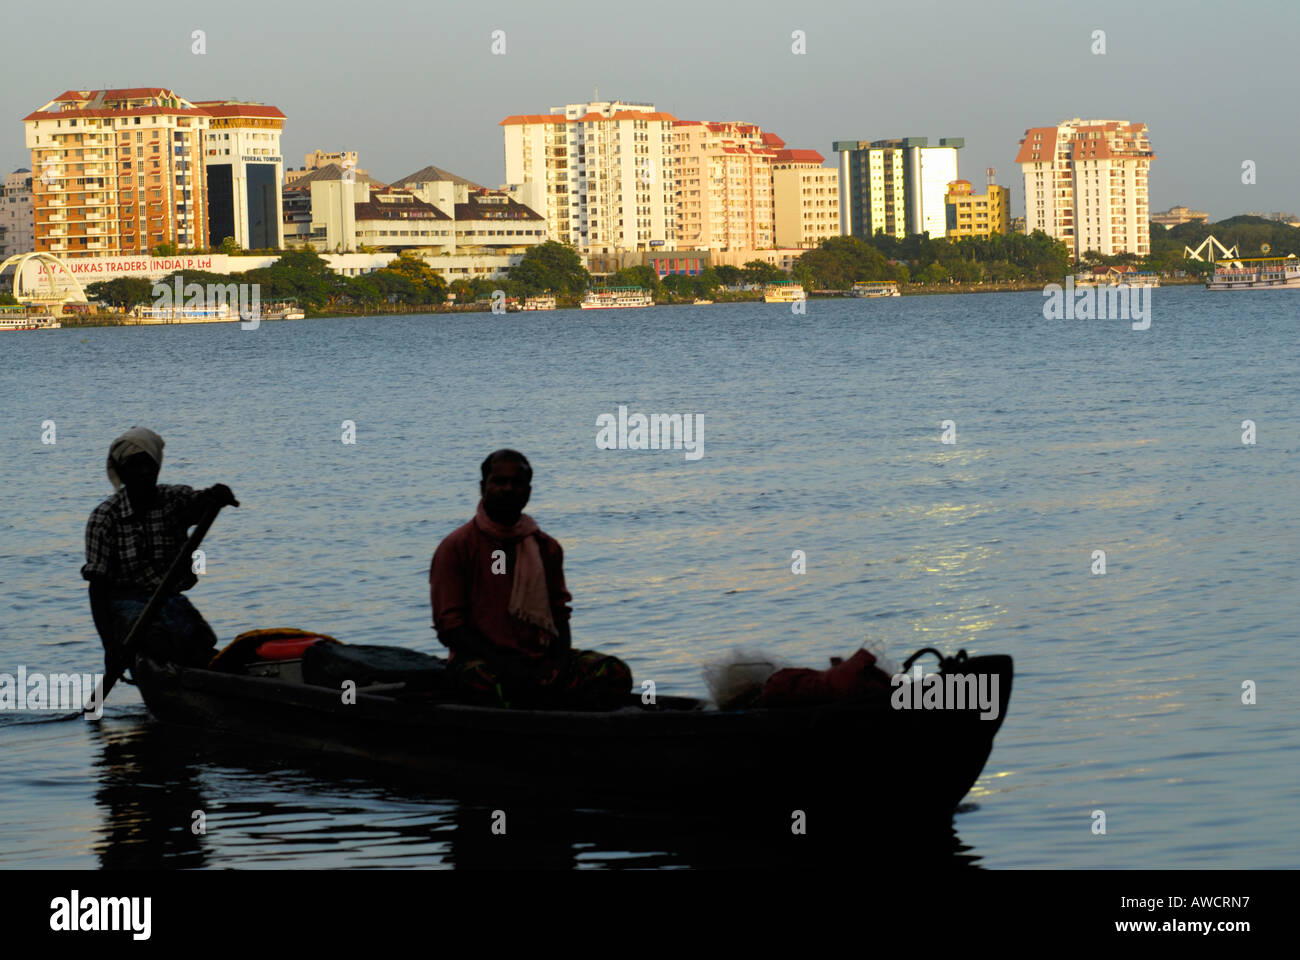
(821, 433)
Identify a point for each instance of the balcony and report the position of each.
(57, 217)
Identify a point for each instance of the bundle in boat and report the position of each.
(365, 665)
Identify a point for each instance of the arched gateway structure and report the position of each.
(58, 285)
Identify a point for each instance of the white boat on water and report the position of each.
(539, 303)
(876, 288)
(616, 298)
(784, 291)
(701, 302)
(22, 321)
(220, 313)
(283, 311)
(1271, 273)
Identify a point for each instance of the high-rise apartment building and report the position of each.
(608, 170)
(1086, 185)
(117, 171)
(243, 166)
(16, 214)
(805, 198)
(723, 185)
(977, 214)
(897, 187)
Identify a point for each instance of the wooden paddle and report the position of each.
(125, 653)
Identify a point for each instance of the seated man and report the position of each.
(132, 539)
(500, 605)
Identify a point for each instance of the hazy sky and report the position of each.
(413, 84)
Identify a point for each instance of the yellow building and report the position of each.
(806, 198)
(977, 214)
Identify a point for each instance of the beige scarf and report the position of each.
(136, 440)
(530, 601)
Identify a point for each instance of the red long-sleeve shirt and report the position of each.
(464, 591)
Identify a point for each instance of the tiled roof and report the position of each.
(520, 118)
(225, 108)
(410, 208)
(331, 171)
(798, 156)
(435, 175)
(511, 210)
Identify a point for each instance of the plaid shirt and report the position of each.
(135, 550)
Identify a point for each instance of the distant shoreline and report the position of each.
(905, 289)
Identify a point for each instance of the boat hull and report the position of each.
(675, 748)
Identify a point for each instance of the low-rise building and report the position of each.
(462, 229)
(977, 214)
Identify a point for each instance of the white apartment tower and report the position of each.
(1086, 185)
(607, 171)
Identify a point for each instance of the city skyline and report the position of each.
(408, 87)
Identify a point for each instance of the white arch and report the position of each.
(75, 294)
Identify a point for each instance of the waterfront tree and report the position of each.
(122, 292)
(551, 266)
(424, 284)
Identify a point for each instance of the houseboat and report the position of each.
(219, 313)
(616, 298)
(283, 311)
(876, 288)
(1116, 276)
(784, 291)
(1271, 273)
(17, 318)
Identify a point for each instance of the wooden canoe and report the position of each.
(870, 756)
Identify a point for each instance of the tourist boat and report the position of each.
(18, 319)
(220, 313)
(1272, 273)
(539, 303)
(283, 311)
(1114, 277)
(784, 291)
(876, 288)
(673, 747)
(616, 298)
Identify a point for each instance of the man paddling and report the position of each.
(501, 607)
(132, 539)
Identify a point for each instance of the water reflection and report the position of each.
(148, 790)
(277, 808)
